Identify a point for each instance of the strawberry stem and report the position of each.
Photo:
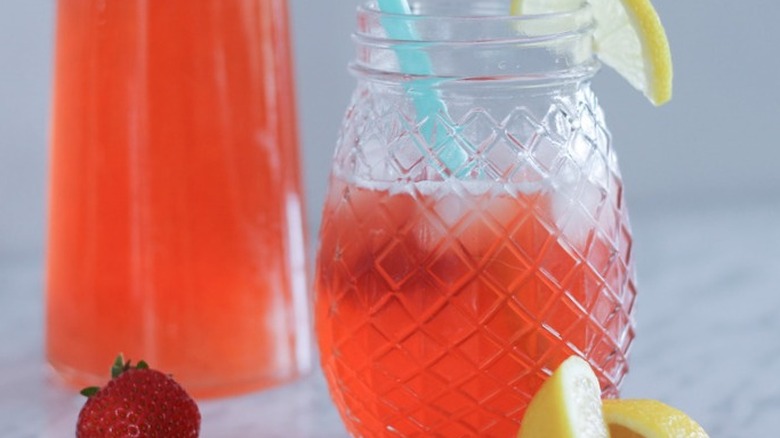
(90, 391)
(119, 366)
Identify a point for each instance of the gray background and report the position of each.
(716, 143)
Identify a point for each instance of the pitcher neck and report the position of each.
(474, 44)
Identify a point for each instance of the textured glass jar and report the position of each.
(474, 234)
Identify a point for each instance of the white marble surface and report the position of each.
(708, 337)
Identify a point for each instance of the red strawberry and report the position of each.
(138, 402)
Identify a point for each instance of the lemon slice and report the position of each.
(568, 405)
(648, 419)
(628, 37)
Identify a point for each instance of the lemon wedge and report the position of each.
(648, 419)
(628, 37)
(568, 405)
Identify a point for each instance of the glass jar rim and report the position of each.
(527, 28)
(545, 47)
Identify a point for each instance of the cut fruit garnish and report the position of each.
(648, 419)
(628, 37)
(568, 405)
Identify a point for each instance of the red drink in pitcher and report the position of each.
(442, 306)
(175, 198)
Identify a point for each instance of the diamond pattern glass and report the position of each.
(444, 298)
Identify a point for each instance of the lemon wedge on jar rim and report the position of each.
(569, 405)
(628, 37)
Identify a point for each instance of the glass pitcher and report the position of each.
(176, 230)
(475, 232)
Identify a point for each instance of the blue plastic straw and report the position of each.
(426, 100)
